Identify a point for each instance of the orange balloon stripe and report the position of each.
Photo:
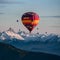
(30, 24)
(29, 21)
(35, 22)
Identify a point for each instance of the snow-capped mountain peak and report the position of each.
(10, 34)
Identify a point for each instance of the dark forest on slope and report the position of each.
(8, 52)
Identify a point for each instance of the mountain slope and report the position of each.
(8, 52)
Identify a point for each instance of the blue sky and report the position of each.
(11, 10)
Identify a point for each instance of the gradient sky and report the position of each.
(11, 10)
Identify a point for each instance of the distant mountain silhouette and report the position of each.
(8, 52)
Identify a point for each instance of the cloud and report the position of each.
(11, 2)
(1, 13)
(55, 26)
(2, 1)
(58, 16)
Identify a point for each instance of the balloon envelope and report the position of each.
(30, 20)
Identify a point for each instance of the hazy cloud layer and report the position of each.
(55, 26)
(58, 16)
(1, 13)
(11, 2)
(2, 1)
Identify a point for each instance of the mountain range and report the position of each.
(45, 43)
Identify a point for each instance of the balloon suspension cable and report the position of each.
(18, 24)
(37, 30)
(29, 32)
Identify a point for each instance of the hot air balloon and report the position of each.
(30, 20)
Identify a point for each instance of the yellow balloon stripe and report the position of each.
(29, 21)
(35, 22)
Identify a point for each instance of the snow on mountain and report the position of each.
(10, 34)
(40, 37)
(13, 35)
